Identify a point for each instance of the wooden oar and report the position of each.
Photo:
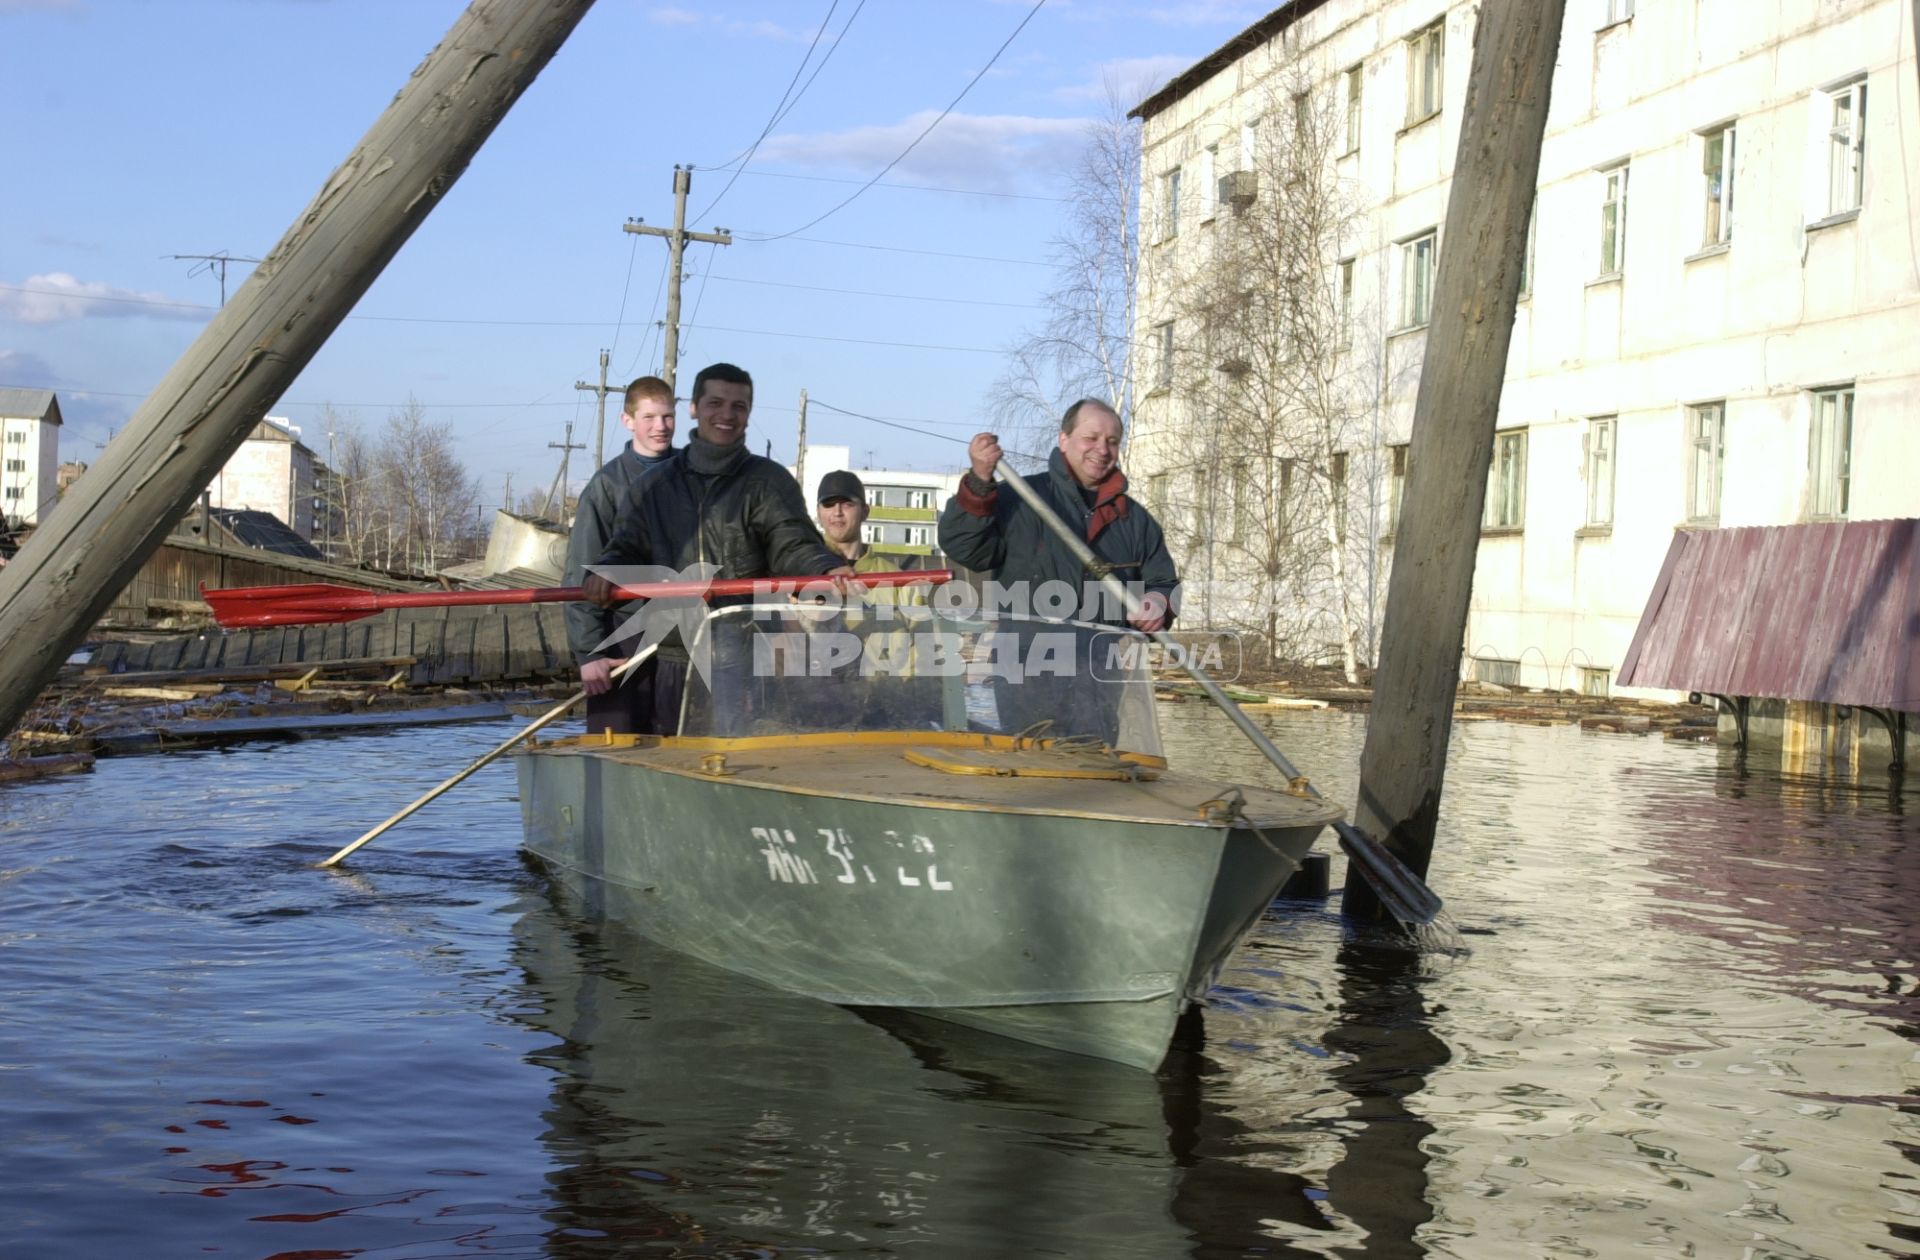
(551, 716)
(1402, 892)
(321, 603)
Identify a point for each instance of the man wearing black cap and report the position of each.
(842, 510)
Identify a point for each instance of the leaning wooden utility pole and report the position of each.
(1484, 244)
(114, 517)
(677, 238)
(600, 415)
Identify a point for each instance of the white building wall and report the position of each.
(270, 474)
(1796, 302)
(29, 464)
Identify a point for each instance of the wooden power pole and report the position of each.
(114, 517)
(1403, 765)
(800, 456)
(558, 494)
(677, 238)
(600, 415)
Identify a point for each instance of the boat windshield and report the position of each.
(790, 668)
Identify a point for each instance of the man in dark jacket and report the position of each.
(647, 414)
(718, 504)
(995, 532)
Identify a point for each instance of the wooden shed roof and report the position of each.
(1824, 612)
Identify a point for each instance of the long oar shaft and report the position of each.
(1402, 892)
(544, 720)
(318, 602)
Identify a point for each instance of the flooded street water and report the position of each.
(1685, 1025)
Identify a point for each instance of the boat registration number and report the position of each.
(791, 860)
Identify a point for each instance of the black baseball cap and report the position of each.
(841, 484)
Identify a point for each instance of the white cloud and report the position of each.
(991, 152)
(673, 17)
(1131, 80)
(57, 297)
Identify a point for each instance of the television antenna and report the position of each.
(215, 263)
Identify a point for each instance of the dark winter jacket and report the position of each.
(719, 505)
(997, 533)
(587, 626)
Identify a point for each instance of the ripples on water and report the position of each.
(1684, 1026)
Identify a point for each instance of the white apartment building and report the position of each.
(29, 455)
(1720, 317)
(273, 471)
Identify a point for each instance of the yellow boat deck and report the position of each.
(961, 771)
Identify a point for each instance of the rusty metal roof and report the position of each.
(1826, 612)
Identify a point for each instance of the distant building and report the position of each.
(272, 472)
(29, 454)
(905, 505)
(67, 473)
(1739, 350)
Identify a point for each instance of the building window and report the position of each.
(1829, 456)
(17, 436)
(1716, 169)
(14, 492)
(1496, 670)
(1417, 258)
(1170, 204)
(1507, 482)
(1249, 144)
(16, 465)
(869, 533)
(876, 497)
(1424, 66)
(921, 499)
(1209, 182)
(1526, 256)
(1706, 443)
(1352, 82)
(1601, 433)
(1396, 484)
(1613, 222)
(1846, 147)
(1157, 494)
(1343, 282)
(1237, 521)
(917, 536)
(1595, 681)
(1163, 357)
(1302, 121)
(1618, 11)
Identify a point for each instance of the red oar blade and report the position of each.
(321, 603)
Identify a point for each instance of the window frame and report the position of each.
(1846, 155)
(1163, 357)
(1169, 204)
(1426, 72)
(1506, 513)
(1709, 449)
(1209, 182)
(1717, 227)
(1600, 459)
(1617, 11)
(1613, 220)
(1418, 314)
(1399, 459)
(1830, 455)
(1353, 83)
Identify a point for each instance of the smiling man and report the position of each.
(715, 503)
(999, 534)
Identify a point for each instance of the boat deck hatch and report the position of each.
(1053, 762)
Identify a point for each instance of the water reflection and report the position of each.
(694, 1112)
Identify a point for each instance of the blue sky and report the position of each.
(140, 129)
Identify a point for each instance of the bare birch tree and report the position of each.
(1275, 486)
(1083, 348)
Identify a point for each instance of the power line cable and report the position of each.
(930, 188)
(776, 115)
(903, 297)
(706, 273)
(625, 289)
(894, 424)
(1038, 5)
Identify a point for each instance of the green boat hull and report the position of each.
(1085, 930)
